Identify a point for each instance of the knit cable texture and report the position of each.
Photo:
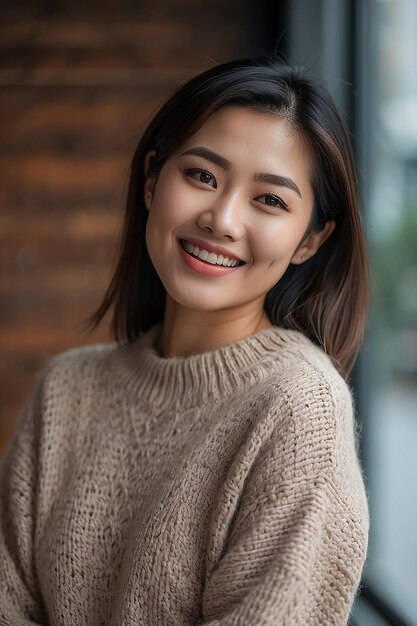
(219, 488)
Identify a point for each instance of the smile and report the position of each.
(205, 262)
(209, 257)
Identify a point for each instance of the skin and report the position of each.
(230, 209)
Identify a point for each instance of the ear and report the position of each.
(313, 243)
(150, 180)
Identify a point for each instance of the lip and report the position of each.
(211, 247)
(207, 269)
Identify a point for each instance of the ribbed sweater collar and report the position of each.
(196, 379)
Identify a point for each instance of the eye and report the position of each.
(274, 201)
(204, 176)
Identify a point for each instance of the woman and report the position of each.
(203, 468)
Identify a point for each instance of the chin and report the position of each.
(194, 299)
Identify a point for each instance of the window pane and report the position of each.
(391, 216)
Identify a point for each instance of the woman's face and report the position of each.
(242, 182)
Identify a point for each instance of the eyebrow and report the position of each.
(273, 179)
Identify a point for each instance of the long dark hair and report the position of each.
(326, 297)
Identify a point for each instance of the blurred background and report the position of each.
(80, 81)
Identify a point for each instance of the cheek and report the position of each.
(274, 244)
(170, 204)
(167, 213)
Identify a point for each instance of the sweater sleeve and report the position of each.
(298, 540)
(20, 601)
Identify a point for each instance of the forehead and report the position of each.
(246, 134)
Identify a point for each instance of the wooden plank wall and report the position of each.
(79, 81)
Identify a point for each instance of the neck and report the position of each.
(185, 381)
(186, 332)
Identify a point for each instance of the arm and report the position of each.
(20, 601)
(298, 541)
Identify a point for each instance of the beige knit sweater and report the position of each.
(219, 488)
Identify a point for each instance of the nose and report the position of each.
(224, 216)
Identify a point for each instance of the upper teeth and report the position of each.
(210, 257)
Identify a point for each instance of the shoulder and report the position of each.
(68, 373)
(79, 360)
(306, 375)
(66, 394)
(309, 402)
(81, 354)
(56, 394)
(313, 407)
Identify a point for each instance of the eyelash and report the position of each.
(201, 170)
